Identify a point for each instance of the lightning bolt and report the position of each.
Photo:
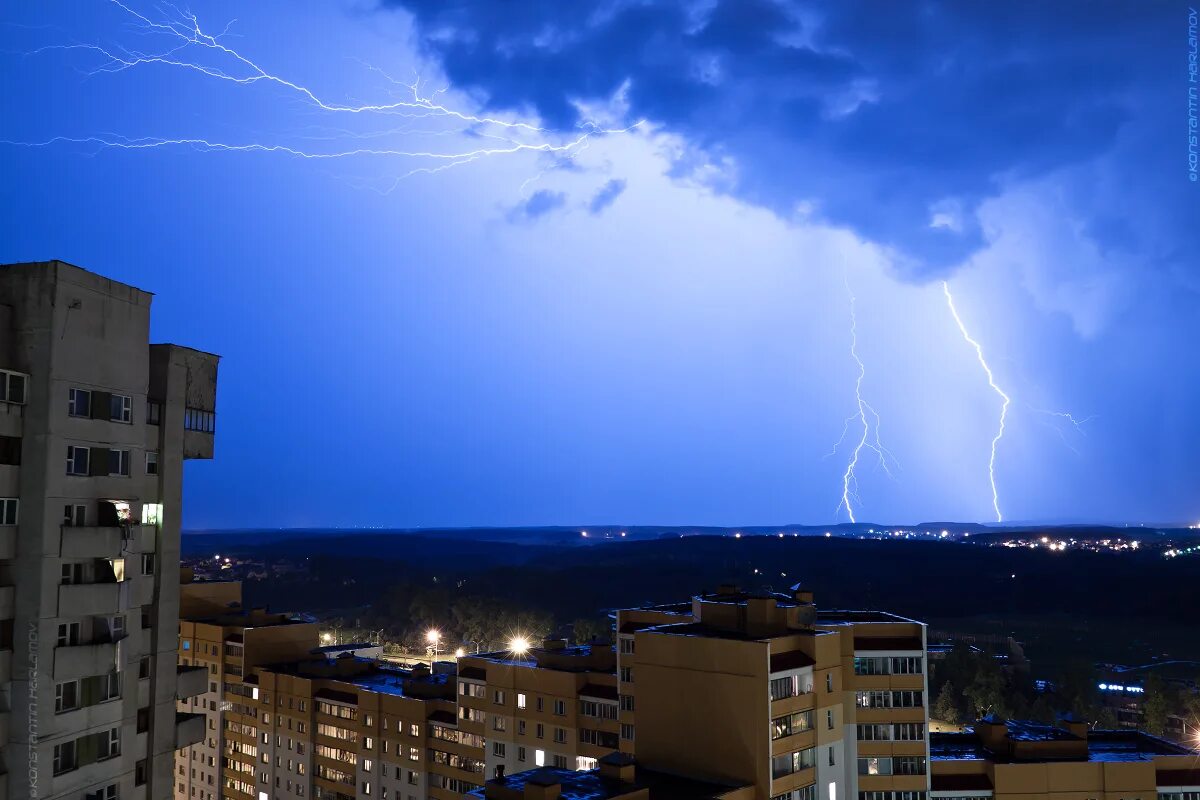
(995, 387)
(186, 46)
(866, 417)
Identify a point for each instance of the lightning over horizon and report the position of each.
(995, 387)
(187, 41)
(865, 412)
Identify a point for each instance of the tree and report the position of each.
(587, 628)
(1157, 706)
(945, 708)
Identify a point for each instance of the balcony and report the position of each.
(83, 660)
(6, 602)
(189, 729)
(85, 599)
(190, 682)
(92, 541)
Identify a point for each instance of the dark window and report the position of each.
(77, 460)
(79, 403)
(153, 413)
(118, 462)
(12, 387)
(121, 408)
(151, 462)
(10, 450)
(8, 510)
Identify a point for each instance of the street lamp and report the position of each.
(433, 636)
(459, 652)
(519, 645)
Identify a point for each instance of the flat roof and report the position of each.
(1102, 745)
(591, 785)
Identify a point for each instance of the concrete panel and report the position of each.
(81, 661)
(189, 729)
(6, 602)
(90, 541)
(85, 599)
(191, 681)
(8, 537)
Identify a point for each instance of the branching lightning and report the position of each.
(867, 418)
(995, 387)
(186, 46)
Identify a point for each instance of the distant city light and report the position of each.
(828, 534)
(737, 536)
(518, 645)
(583, 534)
(622, 533)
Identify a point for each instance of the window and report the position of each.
(626, 646)
(196, 420)
(8, 510)
(148, 566)
(626, 731)
(520, 700)
(521, 727)
(72, 573)
(120, 408)
(74, 514)
(79, 403)
(909, 765)
(874, 733)
(499, 724)
(66, 696)
(540, 731)
(828, 714)
(77, 460)
(560, 735)
(788, 763)
(875, 765)
(10, 450)
(908, 731)
(64, 757)
(118, 462)
(152, 513)
(832, 761)
(828, 682)
(560, 707)
(627, 702)
(151, 462)
(12, 386)
(521, 754)
(153, 413)
(626, 675)
(539, 758)
(782, 688)
(498, 749)
(791, 724)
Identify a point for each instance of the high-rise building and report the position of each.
(95, 425)
(220, 643)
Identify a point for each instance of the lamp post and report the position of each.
(433, 636)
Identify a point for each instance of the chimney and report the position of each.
(618, 766)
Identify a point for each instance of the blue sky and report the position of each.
(597, 265)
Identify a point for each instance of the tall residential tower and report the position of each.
(95, 424)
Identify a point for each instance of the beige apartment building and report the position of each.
(95, 425)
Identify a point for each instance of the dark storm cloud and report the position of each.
(606, 196)
(540, 203)
(875, 115)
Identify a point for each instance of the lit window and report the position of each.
(520, 699)
(539, 758)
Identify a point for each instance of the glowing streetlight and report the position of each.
(459, 652)
(518, 645)
(433, 636)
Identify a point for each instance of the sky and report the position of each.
(620, 262)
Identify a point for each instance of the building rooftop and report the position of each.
(1101, 745)
(592, 785)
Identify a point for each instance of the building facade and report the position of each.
(95, 425)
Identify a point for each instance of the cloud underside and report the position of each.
(896, 120)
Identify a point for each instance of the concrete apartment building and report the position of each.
(221, 643)
(95, 425)
(1021, 760)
